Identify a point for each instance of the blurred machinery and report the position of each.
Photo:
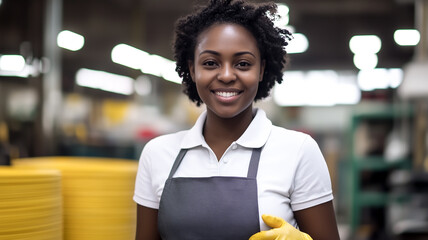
(408, 213)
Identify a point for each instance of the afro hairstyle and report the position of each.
(256, 18)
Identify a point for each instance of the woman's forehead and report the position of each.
(227, 35)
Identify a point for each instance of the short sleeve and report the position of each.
(145, 193)
(312, 183)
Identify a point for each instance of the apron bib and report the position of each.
(210, 208)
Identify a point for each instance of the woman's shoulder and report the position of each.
(295, 138)
(285, 133)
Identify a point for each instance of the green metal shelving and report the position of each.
(361, 198)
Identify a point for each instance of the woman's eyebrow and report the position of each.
(243, 53)
(218, 54)
(209, 52)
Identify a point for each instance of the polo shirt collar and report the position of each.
(255, 136)
(194, 136)
(257, 132)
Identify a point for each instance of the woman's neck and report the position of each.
(219, 132)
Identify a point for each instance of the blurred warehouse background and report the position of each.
(92, 78)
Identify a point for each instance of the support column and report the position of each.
(421, 22)
(52, 80)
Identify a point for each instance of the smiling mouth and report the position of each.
(226, 94)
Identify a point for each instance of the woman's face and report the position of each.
(227, 69)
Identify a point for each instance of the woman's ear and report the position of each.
(191, 67)
(262, 70)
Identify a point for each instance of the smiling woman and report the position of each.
(233, 175)
(227, 76)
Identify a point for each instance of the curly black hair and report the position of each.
(258, 19)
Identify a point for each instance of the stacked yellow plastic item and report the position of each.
(97, 196)
(30, 204)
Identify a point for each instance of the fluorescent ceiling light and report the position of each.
(396, 76)
(283, 19)
(128, 56)
(169, 73)
(13, 63)
(291, 29)
(379, 78)
(70, 40)
(316, 88)
(284, 95)
(348, 93)
(298, 44)
(407, 37)
(16, 66)
(148, 63)
(154, 64)
(24, 73)
(365, 61)
(105, 81)
(365, 44)
(161, 67)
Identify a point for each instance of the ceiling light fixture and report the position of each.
(148, 63)
(379, 78)
(283, 19)
(365, 48)
(407, 37)
(298, 44)
(13, 63)
(316, 88)
(70, 40)
(364, 61)
(360, 44)
(128, 56)
(105, 81)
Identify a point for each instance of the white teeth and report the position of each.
(226, 94)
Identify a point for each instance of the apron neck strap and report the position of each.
(254, 163)
(252, 169)
(177, 162)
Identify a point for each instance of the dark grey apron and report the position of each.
(217, 208)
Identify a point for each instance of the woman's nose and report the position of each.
(227, 73)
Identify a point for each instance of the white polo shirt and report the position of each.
(292, 172)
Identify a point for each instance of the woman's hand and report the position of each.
(281, 230)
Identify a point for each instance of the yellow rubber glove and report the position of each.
(281, 230)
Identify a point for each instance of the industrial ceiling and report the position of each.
(148, 25)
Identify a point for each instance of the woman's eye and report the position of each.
(244, 64)
(210, 63)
